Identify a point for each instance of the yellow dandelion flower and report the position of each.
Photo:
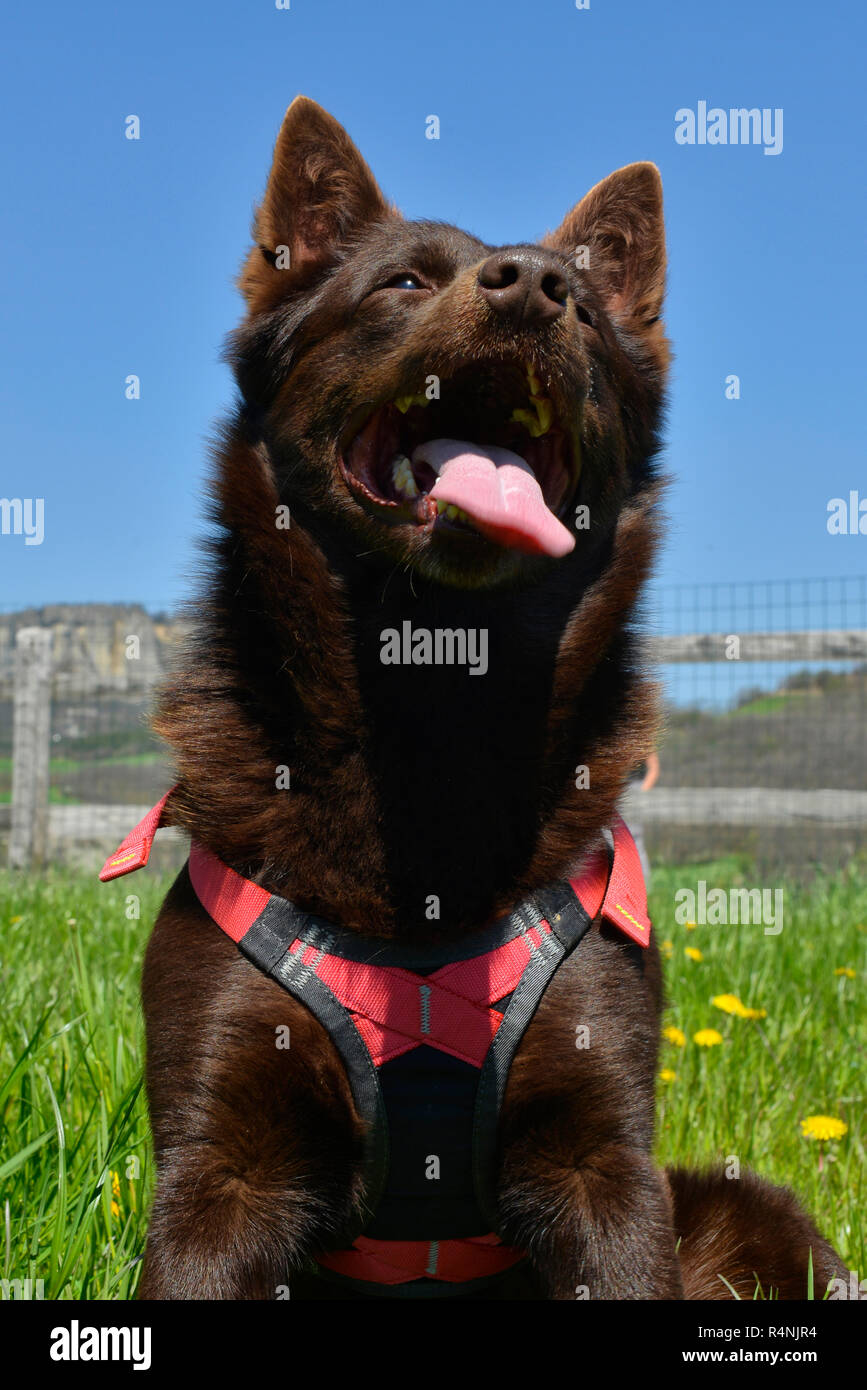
(841, 970)
(667, 1074)
(693, 953)
(730, 1004)
(823, 1127)
(666, 947)
(707, 1037)
(13, 921)
(674, 1035)
(690, 926)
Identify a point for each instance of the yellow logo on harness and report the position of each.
(630, 917)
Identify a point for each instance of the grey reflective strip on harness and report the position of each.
(569, 922)
(267, 943)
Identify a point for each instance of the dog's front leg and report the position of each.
(578, 1189)
(216, 1236)
(256, 1140)
(254, 1176)
(597, 1228)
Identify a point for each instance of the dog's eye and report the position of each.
(404, 280)
(584, 316)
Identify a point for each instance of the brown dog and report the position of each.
(434, 436)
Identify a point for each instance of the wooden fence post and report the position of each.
(31, 735)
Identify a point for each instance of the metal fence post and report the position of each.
(31, 734)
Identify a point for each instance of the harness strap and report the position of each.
(376, 1008)
(616, 889)
(134, 851)
(450, 1010)
(402, 1261)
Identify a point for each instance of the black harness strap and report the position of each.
(568, 922)
(267, 942)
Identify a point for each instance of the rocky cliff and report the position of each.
(97, 647)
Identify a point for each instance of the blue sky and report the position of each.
(120, 255)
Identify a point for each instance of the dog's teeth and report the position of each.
(545, 412)
(529, 419)
(452, 512)
(403, 403)
(403, 477)
(538, 420)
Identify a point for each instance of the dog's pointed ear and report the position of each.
(320, 191)
(617, 231)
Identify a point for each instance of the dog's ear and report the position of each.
(618, 231)
(320, 191)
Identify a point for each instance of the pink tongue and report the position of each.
(498, 491)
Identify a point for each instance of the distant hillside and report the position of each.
(805, 684)
(809, 731)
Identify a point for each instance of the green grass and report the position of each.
(55, 798)
(764, 704)
(72, 1113)
(744, 1099)
(65, 765)
(71, 1108)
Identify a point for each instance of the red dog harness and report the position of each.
(427, 1036)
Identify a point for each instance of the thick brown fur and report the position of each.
(410, 781)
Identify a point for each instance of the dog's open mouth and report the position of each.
(489, 458)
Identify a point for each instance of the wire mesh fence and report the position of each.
(105, 768)
(764, 747)
(763, 750)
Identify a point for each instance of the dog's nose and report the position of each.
(525, 285)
